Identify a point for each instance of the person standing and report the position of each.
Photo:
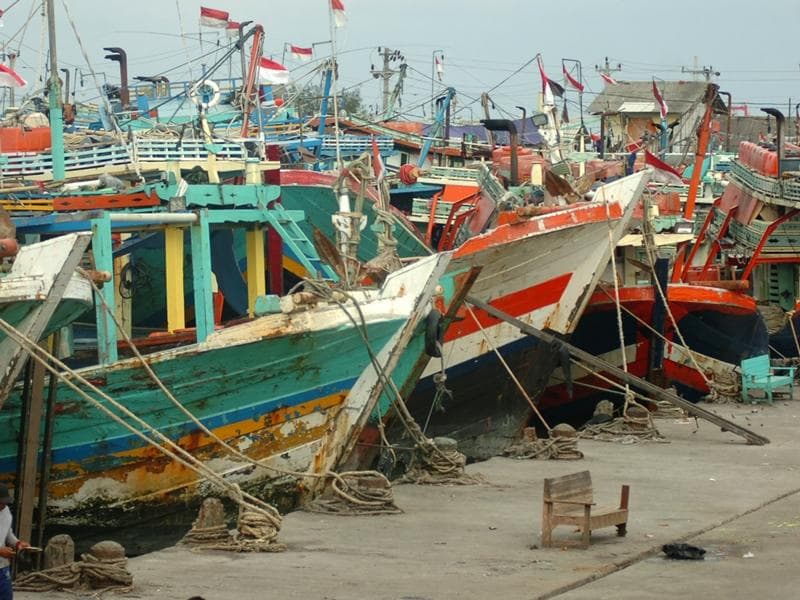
(11, 545)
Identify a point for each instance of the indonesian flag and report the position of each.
(439, 67)
(609, 79)
(339, 17)
(550, 88)
(662, 172)
(232, 29)
(211, 17)
(2, 12)
(10, 78)
(299, 53)
(572, 81)
(272, 73)
(662, 105)
(377, 162)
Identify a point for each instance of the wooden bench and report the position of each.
(759, 374)
(568, 501)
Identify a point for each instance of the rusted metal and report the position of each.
(728, 123)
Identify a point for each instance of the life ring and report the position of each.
(197, 98)
(434, 334)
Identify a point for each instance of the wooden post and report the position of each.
(201, 275)
(104, 261)
(256, 279)
(25, 494)
(173, 253)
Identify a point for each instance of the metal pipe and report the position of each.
(524, 117)
(166, 218)
(779, 119)
(66, 85)
(119, 55)
(506, 125)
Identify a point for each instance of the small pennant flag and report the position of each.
(10, 78)
(377, 162)
(2, 12)
(609, 79)
(662, 105)
(272, 73)
(565, 112)
(550, 88)
(662, 172)
(232, 29)
(439, 67)
(211, 17)
(339, 16)
(572, 81)
(299, 53)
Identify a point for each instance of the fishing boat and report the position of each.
(269, 386)
(749, 235)
(538, 264)
(40, 294)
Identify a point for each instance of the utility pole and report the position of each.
(54, 99)
(607, 69)
(389, 56)
(707, 72)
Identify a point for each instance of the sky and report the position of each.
(485, 43)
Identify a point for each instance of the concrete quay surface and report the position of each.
(739, 502)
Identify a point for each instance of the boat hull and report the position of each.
(269, 387)
(719, 326)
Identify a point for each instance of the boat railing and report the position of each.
(787, 189)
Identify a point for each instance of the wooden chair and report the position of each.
(568, 501)
(759, 374)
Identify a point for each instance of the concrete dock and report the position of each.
(741, 503)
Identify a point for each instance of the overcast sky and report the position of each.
(484, 42)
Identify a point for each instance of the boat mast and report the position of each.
(54, 97)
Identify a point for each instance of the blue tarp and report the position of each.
(530, 138)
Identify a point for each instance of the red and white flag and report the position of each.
(572, 81)
(550, 88)
(272, 73)
(662, 105)
(439, 66)
(211, 17)
(299, 53)
(609, 79)
(377, 162)
(2, 12)
(339, 16)
(662, 172)
(10, 78)
(232, 29)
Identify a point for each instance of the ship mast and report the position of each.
(54, 97)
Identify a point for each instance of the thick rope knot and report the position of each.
(561, 445)
(437, 462)
(357, 493)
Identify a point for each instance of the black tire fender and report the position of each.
(434, 333)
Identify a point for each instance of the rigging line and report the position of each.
(183, 39)
(106, 104)
(23, 27)
(169, 448)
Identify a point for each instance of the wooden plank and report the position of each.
(256, 267)
(173, 250)
(104, 261)
(29, 451)
(601, 365)
(201, 274)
